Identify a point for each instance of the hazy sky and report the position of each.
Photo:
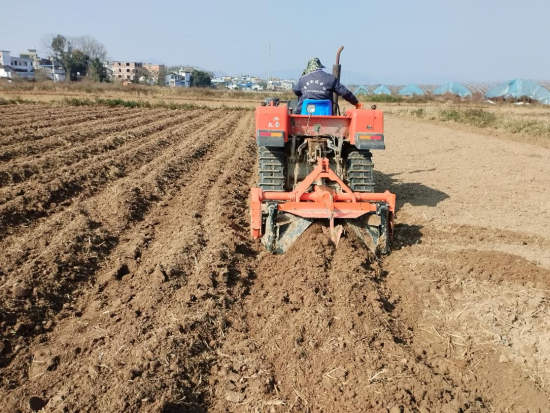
(395, 41)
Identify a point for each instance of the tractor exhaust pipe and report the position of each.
(336, 73)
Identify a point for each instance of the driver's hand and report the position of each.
(359, 106)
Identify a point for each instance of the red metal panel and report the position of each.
(272, 118)
(256, 212)
(367, 121)
(320, 209)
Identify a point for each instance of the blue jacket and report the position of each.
(320, 85)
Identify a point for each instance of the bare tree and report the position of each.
(161, 76)
(90, 47)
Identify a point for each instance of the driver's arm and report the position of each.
(345, 93)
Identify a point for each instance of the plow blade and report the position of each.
(282, 230)
(374, 230)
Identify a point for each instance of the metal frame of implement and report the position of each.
(322, 202)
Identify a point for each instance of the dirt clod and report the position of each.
(22, 291)
(36, 403)
(234, 397)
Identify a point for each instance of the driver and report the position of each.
(319, 85)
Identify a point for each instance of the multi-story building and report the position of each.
(176, 80)
(185, 75)
(33, 55)
(11, 66)
(126, 70)
(153, 69)
(154, 72)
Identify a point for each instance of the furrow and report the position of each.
(64, 185)
(141, 129)
(45, 127)
(65, 252)
(65, 150)
(37, 114)
(203, 170)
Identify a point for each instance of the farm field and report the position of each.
(129, 282)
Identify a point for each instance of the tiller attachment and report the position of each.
(279, 218)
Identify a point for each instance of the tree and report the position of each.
(77, 55)
(90, 47)
(140, 73)
(200, 78)
(79, 64)
(62, 51)
(97, 71)
(161, 76)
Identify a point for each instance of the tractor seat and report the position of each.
(317, 107)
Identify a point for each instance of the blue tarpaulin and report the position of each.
(411, 90)
(382, 90)
(453, 88)
(362, 90)
(518, 88)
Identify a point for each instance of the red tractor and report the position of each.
(319, 166)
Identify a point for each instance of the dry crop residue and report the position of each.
(128, 281)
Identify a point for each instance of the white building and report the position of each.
(185, 74)
(52, 68)
(287, 84)
(177, 80)
(11, 66)
(57, 74)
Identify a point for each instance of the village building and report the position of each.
(15, 66)
(126, 71)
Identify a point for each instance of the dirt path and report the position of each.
(129, 282)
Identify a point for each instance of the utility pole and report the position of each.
(53, 70)
(268, 62)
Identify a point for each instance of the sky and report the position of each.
(391, 41)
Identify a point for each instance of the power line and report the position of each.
(148, 50)
(110, 35)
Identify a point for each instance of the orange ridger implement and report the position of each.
(324, 203)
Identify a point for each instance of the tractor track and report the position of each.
(137, 288)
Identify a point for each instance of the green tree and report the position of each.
(200, 78)
(97, 71)
(79, 64)
(78, 55)
(74, 62)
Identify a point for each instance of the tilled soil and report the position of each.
(128, 281)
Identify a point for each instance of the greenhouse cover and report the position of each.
(411, 90)
(382, 90)
(454, 88)
(362, 90)
(518, 88)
